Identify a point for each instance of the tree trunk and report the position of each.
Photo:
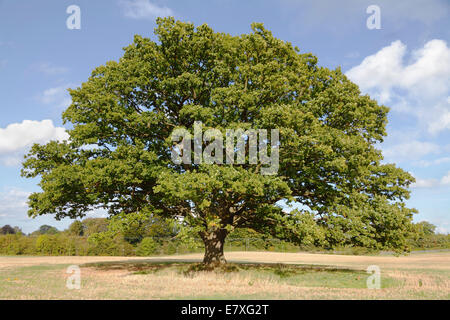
(214, 241)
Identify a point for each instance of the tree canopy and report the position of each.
(426, 228)
(45, 229)
(7, 229)
(119, 153)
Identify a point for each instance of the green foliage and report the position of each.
(135, 226)
(76, 228)
(45, 244)
(94, 225)
(426, 238)
(425, 228)
(147, 247)
(45, 229)
(16, 244)
(103, 244)
(126, 111)
(432, 241)
(57, 244)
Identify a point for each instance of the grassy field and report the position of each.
(250, 275)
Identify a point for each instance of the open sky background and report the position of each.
(405, 65)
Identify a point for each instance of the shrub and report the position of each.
(108, 244)
(45, 244)
(102, 244)
(147, 247)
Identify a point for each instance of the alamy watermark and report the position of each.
(73, 281)
(374, 280)
(255, 141)
(74, 20)
(374, 20)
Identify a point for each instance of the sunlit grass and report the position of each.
(412, 277)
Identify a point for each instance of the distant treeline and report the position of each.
(145, 236)
(124, 237)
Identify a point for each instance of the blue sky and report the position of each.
(404, 65)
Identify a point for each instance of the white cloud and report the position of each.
(144, 9)
(431, 63)
(424, 83)
(385, 70)
(380, 70)
(443, 121)
(410, 150)
(16, 137)
(57, 96)
(425, 183)
(13, 202)
(19, 135)
(431, 183)
(446, 179)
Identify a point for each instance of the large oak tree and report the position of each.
(119, 153)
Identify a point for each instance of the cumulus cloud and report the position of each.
(17, 137)
(380, 71)
(144, 9)
(420, 88)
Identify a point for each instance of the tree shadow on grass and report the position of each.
(189, 268)
(138, 267)
(304, 275)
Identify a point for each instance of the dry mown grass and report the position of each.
(418, 276)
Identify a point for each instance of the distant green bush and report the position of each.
(103, 244)
(431, 241)
(147, 247)
(16, 244)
